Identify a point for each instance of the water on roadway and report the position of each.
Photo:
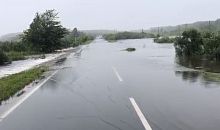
(92, 92)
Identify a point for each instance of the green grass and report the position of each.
(10, 85)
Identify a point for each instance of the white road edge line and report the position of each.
(4, 115)
(117, 74)
(140, 114)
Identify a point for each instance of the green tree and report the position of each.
(75, 35)
(212, 45)
(190, 43)
(75, 32)
(45, 32)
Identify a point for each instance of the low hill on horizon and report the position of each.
(10, 37)
(97, 32)
(203, 26)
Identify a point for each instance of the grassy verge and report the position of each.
(12, 84)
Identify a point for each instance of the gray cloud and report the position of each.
(16, 15)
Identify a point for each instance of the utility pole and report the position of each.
(217, 29)
(142, 32)
(216, 24)
(179, 30)
(161, 31)
(158, 31)
(186, 26)
(209, 26)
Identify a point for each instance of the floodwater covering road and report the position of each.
(103, 87)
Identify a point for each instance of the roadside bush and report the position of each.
(193, 43)
(190, 43)
(14, 46)
(14, 56)
(3, 58)
(15, 50)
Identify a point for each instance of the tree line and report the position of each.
(44, 35)
(164, 39)
(127, 35)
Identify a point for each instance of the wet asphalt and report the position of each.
(92, 91)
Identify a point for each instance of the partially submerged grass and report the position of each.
(10, 85)
(211, 76)
(200, 74)
(112, 41)
(130, 49)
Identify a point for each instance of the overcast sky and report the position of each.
(16, 15)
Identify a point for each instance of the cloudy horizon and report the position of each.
(108, 14)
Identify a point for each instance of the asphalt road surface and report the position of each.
(103, 87)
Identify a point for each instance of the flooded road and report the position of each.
(94, 89)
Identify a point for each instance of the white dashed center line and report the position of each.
(117, 74)
(140, 114)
